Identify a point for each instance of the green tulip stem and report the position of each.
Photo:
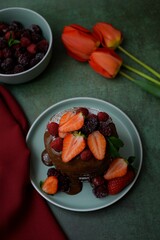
(145, 85)
(141, 74)
(139, 62)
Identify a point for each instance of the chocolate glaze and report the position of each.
(76, 169)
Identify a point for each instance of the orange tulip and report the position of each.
(108, 35)
(105, 62)
(79, 42)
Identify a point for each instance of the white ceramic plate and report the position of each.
(85, 200)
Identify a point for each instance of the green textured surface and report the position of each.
(137, 215)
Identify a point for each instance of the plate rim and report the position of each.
(43, 113)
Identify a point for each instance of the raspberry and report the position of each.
(86, 154)
(25, 42)
(32, 48)
(57, 144)
(83, 110)
(53, 128)
(103, 116)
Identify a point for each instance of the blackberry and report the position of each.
(97, 181)
(7, 65)
(15, 26)
(100, 191)
(63, 183)
(18, 68)
(53, 172)
(36, 37)
(3, 28)
(7, 52)
(24, 59)
(90, 124)
(107, 129)
(36, 29)
(3, 43)
(26, 33)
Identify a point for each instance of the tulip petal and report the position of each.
(106, 62)
(108, 35)
(79, 42)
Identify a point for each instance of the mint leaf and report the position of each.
(12, 41)
(114, 145)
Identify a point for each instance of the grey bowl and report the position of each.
(27, 17)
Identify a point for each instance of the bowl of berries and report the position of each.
(25, 45)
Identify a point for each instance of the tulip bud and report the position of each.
(105, 62)
(79, 42)
(108, 35)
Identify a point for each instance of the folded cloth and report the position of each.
(24, 214)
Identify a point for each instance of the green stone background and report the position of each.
(137, 215)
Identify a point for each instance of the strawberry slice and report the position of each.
(50, 185)
(73, 144)
(65, 117)
(116, 185)
(117, 168)
(97, 144)
(74, 123)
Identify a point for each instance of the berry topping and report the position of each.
(53, 172)
(86, 154)
(116, 185)
(90, 124)
(73, 144)
(117, 168)
(97, 181)
(50, 185)
(65, 117)
(53, 128)
(63, 180)
(103, 116)
(57, 144)
(107, 129)
(63, 183)
(100, 191)
(74, 123)
(97, 144)
(83, 110)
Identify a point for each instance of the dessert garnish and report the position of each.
(83, 145)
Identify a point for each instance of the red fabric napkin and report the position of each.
(24, 214)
